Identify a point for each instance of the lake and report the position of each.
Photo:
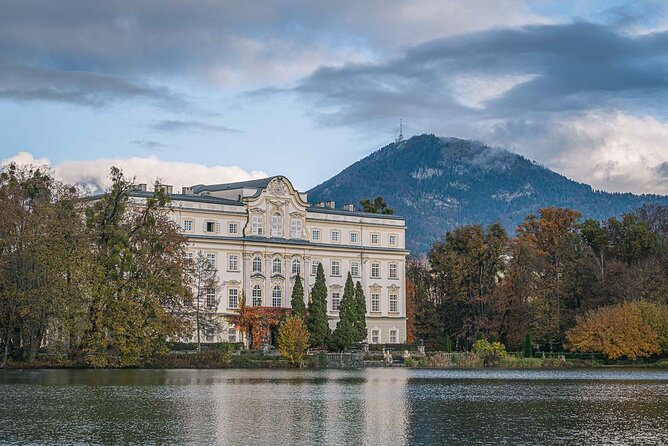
(367, 406)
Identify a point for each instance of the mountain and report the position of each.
(440, 183)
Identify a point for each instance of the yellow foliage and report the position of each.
(632, 330)
(293, 339)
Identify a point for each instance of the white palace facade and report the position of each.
(260, 234)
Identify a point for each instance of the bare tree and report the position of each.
(204, 283)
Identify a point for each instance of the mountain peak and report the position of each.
(439, 183)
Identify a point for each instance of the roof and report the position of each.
(325, 210)
(260, 183)
(195, 198)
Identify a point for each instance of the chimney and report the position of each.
(349, 207)
(330, 204)
(320, 204)
(187, 190)
(165, 188)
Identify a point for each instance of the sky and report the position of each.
(205, 91)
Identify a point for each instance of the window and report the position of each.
(393, 240)
(233, 262)
(314, 266)
(208, 334)
(233, 228)
(336, 236)
(375, 302)
(296, 267)
(233, 295)
(257, 264)
(394, 334)
(277, 225)
(355, 269)
(187, 225)
(336, 301)
(276, 296)
(315, 235)
(189, 257)
(354, 237)
(336, 268)
(296, 228)
(375, 270)
(276, 266)
(394, 303)
(231, 335)
(257, 225)
(211, 260)
(257, 296)
(210, 297)
(375, 238)
(393, 270)
(375, 336)
(211, 226)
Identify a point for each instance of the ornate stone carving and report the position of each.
(277, 187)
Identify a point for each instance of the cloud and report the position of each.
(169, 125)
(93, 175)
(148, 144)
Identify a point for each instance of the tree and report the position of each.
(447, 343)
(293, 339)
(318, 326)
(345, 333)
(631, 329)
(410, 311)
(204, 283)
(528, 346)
(360, 313)
(297, 299)
(377, 206)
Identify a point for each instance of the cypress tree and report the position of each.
(360, 313)
(317, 324)
(447, 343)
(528, 346)
(297, 299)
(346, 333)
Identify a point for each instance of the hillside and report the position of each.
(440, 183)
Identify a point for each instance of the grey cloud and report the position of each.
(28, 83)
(662, 172)
(148, 144)
(169, 125)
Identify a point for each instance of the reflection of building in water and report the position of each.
(260, 234)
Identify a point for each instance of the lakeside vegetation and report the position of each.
(106, 283)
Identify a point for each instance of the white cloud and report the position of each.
(93, 175)
(613, 151)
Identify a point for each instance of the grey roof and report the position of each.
(324, 210)
(260, 183)
(195, 198)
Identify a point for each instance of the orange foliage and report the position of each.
(258, 321)
(410, 311)
(616, 331)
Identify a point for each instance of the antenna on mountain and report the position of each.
(401, 131)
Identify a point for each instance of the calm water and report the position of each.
(373, 406)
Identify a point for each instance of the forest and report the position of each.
(558, 284)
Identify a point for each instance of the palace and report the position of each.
(260, 234)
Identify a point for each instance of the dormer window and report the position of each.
(257, 225)
(277, 225)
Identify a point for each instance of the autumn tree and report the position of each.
(410, 311)
(293, 339)
(631, 330)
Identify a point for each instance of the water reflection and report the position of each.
(373, 406)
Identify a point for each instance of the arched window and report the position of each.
(276, 296)
(277, 225)
(257, 225)
(296, 267)
(257, 296)
(276, 266)
(257, 264)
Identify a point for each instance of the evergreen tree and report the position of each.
(346, 333)
(447, 343)
(297, 299)
(528, 346)
(317, 324)
(360, 313)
